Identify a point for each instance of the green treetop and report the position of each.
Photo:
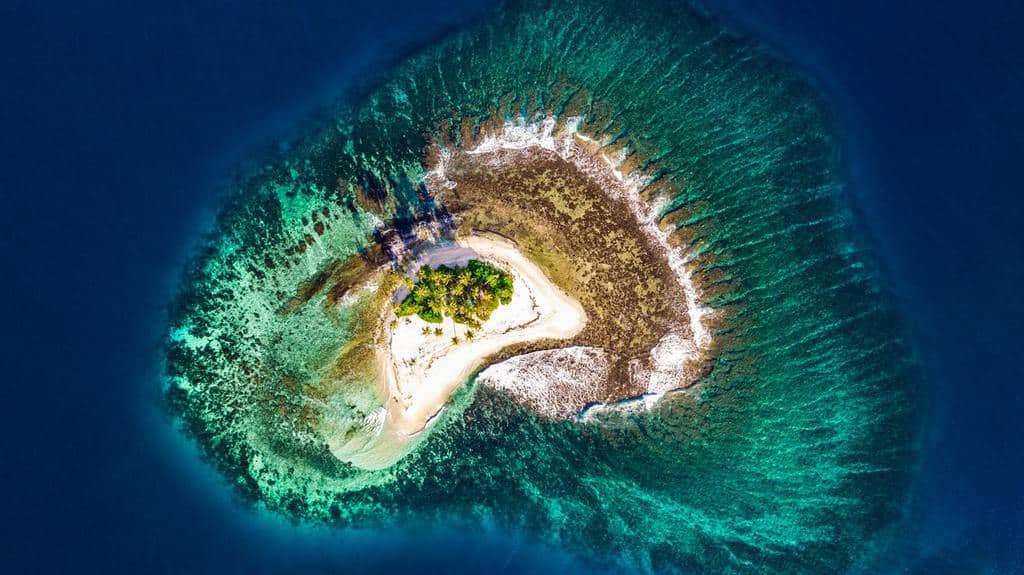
(468, 294)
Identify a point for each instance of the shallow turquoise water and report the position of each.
(796, 451)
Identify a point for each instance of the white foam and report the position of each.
(353, 294)
(666, 368)
(669, 359)
(556, 382)
(521, 135)
(374, 422)
(633, 405)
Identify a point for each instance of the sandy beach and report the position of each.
(421, 371)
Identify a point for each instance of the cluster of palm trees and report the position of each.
(468, 295)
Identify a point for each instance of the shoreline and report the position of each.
(676, 360)
(420, 372)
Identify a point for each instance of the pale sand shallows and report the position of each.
(421, 371)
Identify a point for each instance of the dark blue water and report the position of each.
(118, 122)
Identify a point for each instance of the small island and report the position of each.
(546, 273)
(494, 296)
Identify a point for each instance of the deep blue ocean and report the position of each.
(121, 125)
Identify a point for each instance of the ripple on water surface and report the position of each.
(787, 456)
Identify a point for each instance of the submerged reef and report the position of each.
(740, 397)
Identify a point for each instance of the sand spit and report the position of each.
(420, 370)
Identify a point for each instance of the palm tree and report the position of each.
(467, 295)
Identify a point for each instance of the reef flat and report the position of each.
(749, 402)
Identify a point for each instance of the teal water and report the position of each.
(794, 454)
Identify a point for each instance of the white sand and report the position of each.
(422, 371)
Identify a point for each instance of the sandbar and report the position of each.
(420, 370)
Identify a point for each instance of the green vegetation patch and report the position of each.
(467, 294)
